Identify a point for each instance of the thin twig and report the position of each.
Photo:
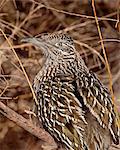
(103, 48)
(71, 13)
(91, 49)
(118, 13)
(20, 65)
(106, 60)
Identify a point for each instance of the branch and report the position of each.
(28, 126)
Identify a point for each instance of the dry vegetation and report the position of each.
(21, 18)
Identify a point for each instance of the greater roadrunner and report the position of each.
(74, 106)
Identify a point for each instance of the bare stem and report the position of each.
(27, 125)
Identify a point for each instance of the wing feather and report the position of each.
(97, 99)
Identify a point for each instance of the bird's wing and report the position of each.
(96, 97)
(71, 109)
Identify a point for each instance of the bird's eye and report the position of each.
(64, 45)
(59, 44)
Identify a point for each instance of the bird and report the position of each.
(72, 103)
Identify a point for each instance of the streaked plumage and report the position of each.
(74, 106)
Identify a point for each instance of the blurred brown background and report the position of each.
(21, 18)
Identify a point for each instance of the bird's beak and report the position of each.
(37, 42)
(32, 40)
(27, 39)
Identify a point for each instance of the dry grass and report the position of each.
(19, 62)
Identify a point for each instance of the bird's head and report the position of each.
(57, 46)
